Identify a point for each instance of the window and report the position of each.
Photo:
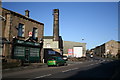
(35, 33)
(21, 29)
(48, 45)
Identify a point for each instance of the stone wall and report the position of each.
(15, 20)
(108, 49)
(10, 29)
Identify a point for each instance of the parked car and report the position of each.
(65, 58)
(91, 55)
(56, 61)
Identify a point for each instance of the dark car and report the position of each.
(56, 61)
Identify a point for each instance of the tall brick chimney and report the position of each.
(27, 13)
(56, 25)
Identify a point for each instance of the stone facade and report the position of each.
(108, 49)
(10, 29)
(56, 25)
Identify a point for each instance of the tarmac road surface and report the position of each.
(92, 69)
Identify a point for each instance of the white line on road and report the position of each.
(74, 69)
(91, 64)
(97, 63)
(44, 76)
(67, 70)
(70, 70)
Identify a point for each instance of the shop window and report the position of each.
(21, 30)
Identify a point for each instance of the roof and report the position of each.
(23, 16)
(4, 40)
(74, 42)
(48, 37)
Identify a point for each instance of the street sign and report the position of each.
(30, 34)
(51, 52)
(70, 51)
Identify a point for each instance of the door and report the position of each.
(27, 52)
(78, 51)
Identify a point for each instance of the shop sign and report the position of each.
(37, 44)
(20, 42)
(70, 51)
(30, 34)
(51, 52)
(29, 43)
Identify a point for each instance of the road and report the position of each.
(92, 69)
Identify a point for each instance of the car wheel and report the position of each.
(57, 65)
(65, 64)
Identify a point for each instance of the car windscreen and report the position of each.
(52, 58)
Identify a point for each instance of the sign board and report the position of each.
(51, 52)
(27, 43)
(30, 33)
(70, 51)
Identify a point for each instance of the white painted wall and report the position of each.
(49, 43)
(78, 51)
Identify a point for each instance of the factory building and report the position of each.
(53, 45)
(74, 49)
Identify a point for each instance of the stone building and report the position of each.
(69, 45)
(53, 45)
(21, 35)
(108, 49)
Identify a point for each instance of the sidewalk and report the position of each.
(31, 66)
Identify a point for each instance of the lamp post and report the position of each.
(83, 39)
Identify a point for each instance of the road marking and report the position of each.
(91, 64)
(44, 76)
(66, 70)
(80, 62)
(97, 63)
(69, 70)
(74, 69)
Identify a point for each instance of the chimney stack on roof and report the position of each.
(27, 13)
(56, 25)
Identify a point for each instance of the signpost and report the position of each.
(30, 34)
(70, 52)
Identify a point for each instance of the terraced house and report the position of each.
(108, 49)
(22, 37)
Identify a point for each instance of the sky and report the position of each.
(93, 23)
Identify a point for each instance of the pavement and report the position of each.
(34, 65)
(31, 66)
